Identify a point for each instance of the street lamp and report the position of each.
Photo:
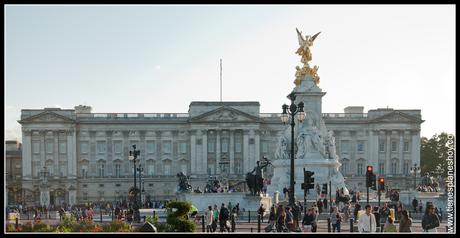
(415, 169)
(291, 111)
(133, 156)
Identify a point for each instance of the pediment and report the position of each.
(224, 114)
(47, 117)
(397, 116)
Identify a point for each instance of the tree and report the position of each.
(434, 154)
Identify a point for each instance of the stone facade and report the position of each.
(86, 154)
(13, 151)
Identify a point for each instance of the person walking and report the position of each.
(281, 219)
(430, 220)
(290, 219)
(366, 222)
(405, 223)
(223, 218)
(209, 215)
(307, 221)
(389, 226)
(261, 212)
(271, 219)
(336, 219)
(415, 204)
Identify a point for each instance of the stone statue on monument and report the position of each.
(281, 150)
(330, 145)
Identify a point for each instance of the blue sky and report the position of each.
(150, 58)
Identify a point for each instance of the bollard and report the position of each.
(251, 229)
(17, 223)
(258, 222)
(202, 223)
(328, 224)
(351, 224)
(249, 217)
(153, 213)
(233, 223)
(381, 227)
(100, 212)
(112, 213)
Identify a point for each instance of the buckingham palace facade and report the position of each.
(75, 151)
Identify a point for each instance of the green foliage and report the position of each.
(27, 227)
(152, 219)
(434, 154)
(42, 227)
(116, 226)
(164, 227)
(177, 216)
(68, 224)
(11, 228)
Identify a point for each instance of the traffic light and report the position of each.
(309, 181)
(381, 183)
(374, 182)
(324, 188)
(369, 176)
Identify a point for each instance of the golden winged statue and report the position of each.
(304, 46)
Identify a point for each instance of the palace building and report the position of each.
(76, 156)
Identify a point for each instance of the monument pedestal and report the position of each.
(326, 170)
(248, 202)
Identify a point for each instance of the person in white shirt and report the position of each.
(366, 222)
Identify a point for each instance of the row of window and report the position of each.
(101, 147)
(49, 147)
(345, 146)
(360, 170)
(394, 146)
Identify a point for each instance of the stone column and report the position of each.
(415, 147)
(388, 152)
(232, 152)
(57, 168)
(72, 197)
(71, 154)
(375, 148)
(257, 146)
(26, 154)
(193, 162)
(42, 148)
(401, 148)
(218, 132)
(246, 162)
(204, 154)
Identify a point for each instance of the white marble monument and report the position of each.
(315, 145)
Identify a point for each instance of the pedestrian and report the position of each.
(336, 219)
(271, 219)
(281, 219)
(430, 220)
(320, 206)
(366, 222)
(290, 219)
(415, 204)
(209, 215)
(216, 217)
(405, 223)
(325, 204)
(389, 226)
(223, 218)
(261, 212)
(307, 220)
(285, 191)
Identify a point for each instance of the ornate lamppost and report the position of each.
(415, 169)
(133, 156)
(290, 112)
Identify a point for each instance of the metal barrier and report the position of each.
(351, 224)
